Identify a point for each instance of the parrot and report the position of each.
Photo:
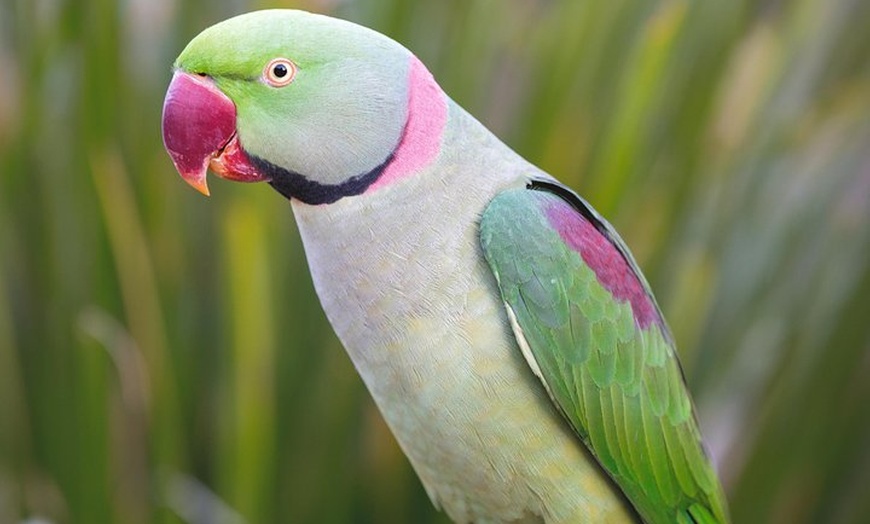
(499, 322)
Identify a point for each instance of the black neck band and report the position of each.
(294, 185)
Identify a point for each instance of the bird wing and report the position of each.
(590, 329)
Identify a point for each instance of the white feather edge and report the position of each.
(527, 351)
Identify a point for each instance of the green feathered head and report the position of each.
(307, 102)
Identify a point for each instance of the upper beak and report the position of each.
(199, 131)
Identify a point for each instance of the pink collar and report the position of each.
(421, 139)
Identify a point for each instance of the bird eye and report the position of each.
(279, 72)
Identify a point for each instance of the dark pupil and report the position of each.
(280, 70)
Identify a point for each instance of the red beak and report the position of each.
(199, 131)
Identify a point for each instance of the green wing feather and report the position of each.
(618, 384)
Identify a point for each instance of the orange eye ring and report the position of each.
(279, 72)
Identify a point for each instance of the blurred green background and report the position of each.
(163, 357)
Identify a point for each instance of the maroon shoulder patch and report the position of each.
(605, 260)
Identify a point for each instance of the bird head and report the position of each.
(313, 105)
